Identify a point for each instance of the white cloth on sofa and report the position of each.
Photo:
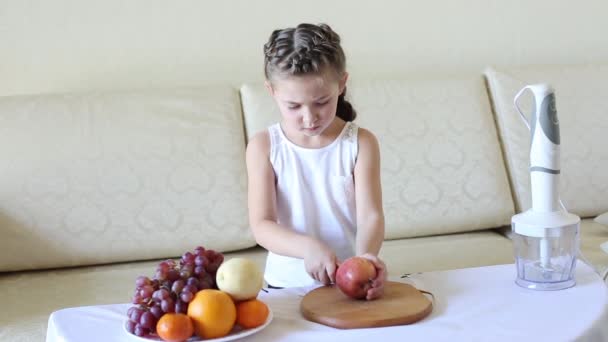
(602, 219)
(315, 196)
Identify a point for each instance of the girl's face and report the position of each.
(307, 102)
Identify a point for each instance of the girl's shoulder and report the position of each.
(259, 143)
(365, 136)
(367, 141)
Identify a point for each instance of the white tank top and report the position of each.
(315, 196)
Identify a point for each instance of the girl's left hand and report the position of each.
(377, 288)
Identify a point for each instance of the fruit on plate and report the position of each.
(241, 278)
(354, 277)
(174, 327)
(213, 313)
(173, 286)
(251, 313)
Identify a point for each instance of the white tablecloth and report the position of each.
(473, 304)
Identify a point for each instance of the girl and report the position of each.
(314, 178)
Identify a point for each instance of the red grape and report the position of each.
(147, 320)
(186, 296)
(142, 280)
(139, 330)
(130, 326)
(168, 305)
(157, 311)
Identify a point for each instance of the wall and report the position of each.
(71, 45)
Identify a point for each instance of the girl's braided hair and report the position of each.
(307, 49)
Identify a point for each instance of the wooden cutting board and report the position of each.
(400, 304)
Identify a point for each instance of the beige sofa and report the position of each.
(95, 188)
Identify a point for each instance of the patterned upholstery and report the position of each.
(104, 177)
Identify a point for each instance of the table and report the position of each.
(472, 304)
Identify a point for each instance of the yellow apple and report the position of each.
(241, 278)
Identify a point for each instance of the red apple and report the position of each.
(354, 277)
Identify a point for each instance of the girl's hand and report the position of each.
(320, 262)
(377, 288)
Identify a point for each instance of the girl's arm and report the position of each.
(262, 203)
(370, 215)
(320, 260)
(368, 196)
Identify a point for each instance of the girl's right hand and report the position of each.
(321, 262)
(377, 288)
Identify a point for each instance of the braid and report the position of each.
(307, 49)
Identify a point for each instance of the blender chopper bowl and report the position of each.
(545, 256)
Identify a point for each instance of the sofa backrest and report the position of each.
(442, 167)
(580, 93)
(104, 177)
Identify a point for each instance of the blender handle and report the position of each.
(521, 114)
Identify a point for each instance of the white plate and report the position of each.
(235, 334)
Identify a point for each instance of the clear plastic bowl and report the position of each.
(547, 263)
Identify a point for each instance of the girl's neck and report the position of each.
(319, 141)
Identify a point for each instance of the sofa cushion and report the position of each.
(442, 168)
(259, 109)
(105, 177)
(446, 252)
(580, 93)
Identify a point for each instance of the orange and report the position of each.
(213, 313)
(251, 313)
(174, 327)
